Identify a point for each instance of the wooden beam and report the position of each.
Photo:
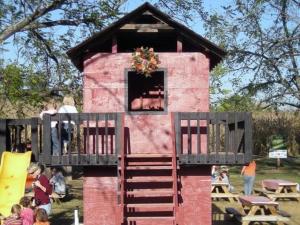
(179, 44)
(114, 46)
(157, 26)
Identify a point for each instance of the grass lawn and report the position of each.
(266, 169)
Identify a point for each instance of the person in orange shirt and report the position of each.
(41, 217)
(248, 172)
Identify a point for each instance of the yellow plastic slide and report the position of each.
(13, 174)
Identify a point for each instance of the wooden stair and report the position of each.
(148, 192)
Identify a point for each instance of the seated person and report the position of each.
(15, 217)
(58, 183)
(224, 177)
(215, 173)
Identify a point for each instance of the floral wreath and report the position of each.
(144, 61)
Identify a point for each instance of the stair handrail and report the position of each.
(174, 169)
(122, 169)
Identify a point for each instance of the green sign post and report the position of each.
(278, 148)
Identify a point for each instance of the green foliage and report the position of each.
(266, 125)
(21, 86)
(12, 82)
(237, 103)
(262, 40)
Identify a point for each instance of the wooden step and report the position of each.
(148, 168)
(148, 163)
(156, 155)
(149, 179)
(151, 193)
(131, 218)
(149, 205)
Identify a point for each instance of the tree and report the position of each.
(263, 43)
(44, 30)
(236, 103)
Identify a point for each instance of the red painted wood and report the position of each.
(100, 197)
(196, 205)
(188, 91)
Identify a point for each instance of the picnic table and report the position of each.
(276, 188)
(258, 209)
(220, 190)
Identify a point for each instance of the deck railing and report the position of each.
(97, 138)
(213, 138)
(21, 135)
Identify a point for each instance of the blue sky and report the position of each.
(11, 52)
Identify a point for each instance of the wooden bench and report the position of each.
(262, 191)
(234, 212)
(56, 198)
(244, 219)
(225, 195)
(283, 213)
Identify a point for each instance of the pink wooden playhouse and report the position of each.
(169, 140)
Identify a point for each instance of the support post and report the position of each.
(114, 46)
(3, 136)
(179, 44)
(34, 138)
(46, 150)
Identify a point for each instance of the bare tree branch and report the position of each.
(39, 12)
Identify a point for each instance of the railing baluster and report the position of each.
(208, 133)
(3, 135)
(97, 138)
(60, 142)
(34, 138)
(177, 117)
(78, 138)
(47, 139)
(226, 134)
(26, 134)
(248, 136)
(106, 134)
(189, 136)
(198, 137)
(88, 138)
(217, 119)
(69, 139)
(235, 134)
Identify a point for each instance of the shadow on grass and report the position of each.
(219, 217)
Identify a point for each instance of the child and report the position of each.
(58, 183)
(41, 217)
(27, 213)
(14, 218)
(225, 178)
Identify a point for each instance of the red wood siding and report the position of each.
(187, 86)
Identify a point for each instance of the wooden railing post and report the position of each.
(248, 137)
(34, 138)
(3, 135)
(46, 150)
(174, 165)
(120, 153)
(177, 124)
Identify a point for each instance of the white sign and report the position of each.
(278, 153)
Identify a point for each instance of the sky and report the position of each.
(210, 5)
(11, 52)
